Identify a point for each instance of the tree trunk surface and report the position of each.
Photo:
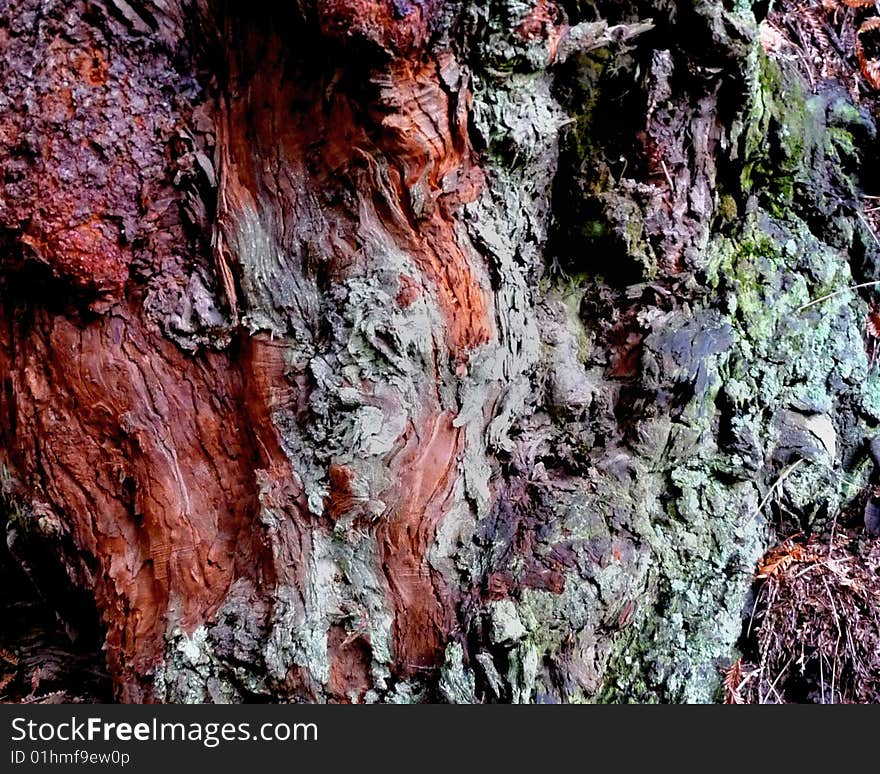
(417, 350)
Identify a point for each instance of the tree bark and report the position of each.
(358, 350)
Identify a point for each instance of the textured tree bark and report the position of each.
(359, 350)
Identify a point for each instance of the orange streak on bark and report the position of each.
(425, 133)
(423, 614)
(416, 128)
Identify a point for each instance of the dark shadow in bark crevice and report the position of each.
(51, 637)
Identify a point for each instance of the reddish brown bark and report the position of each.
(157, 461)
(424, 608)
(144, 455)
